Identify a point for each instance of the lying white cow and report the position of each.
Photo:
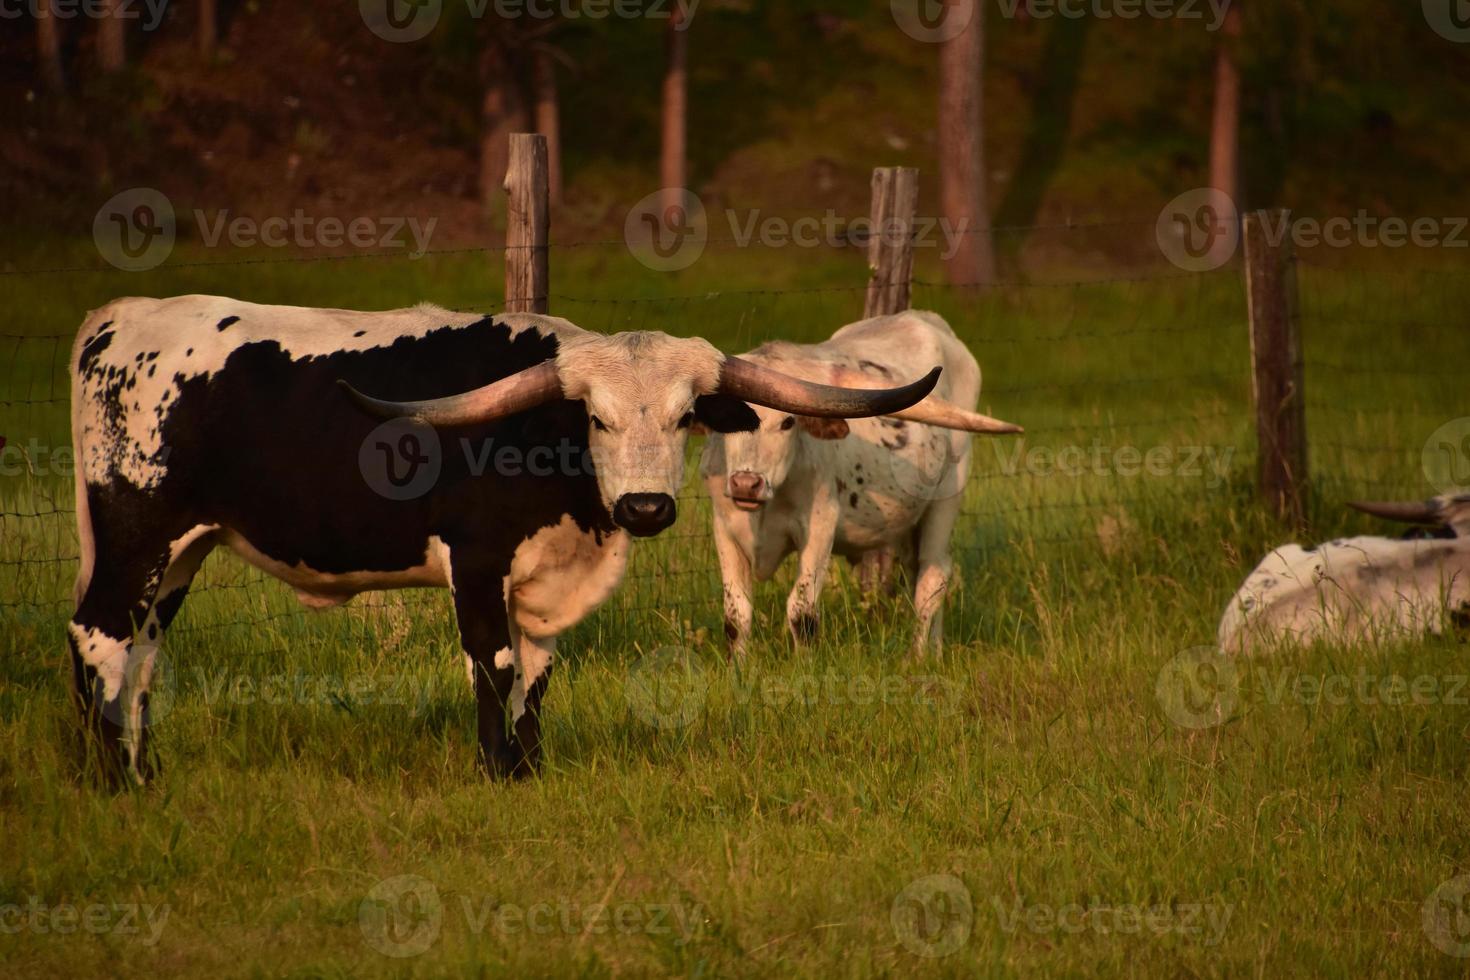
(819, 486)
(1358, 589)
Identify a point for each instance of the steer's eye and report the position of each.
(598, 424)
(686, 420)
(788, 422)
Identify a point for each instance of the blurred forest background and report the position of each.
(264, 106)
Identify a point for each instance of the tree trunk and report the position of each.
(502, 112)
(548, 121)
(48, 47)
(208, 28)
(673, 173)
(962, 190)
(1225, 127)
(111, 43)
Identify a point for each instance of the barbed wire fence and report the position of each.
(1114, 430)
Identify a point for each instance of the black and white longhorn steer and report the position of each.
(201, 421)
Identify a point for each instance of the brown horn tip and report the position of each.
(1421, 512)
(375, 407)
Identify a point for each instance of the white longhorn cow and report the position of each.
(1362, 589)
(860, 488)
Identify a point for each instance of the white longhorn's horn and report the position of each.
(1418, 512)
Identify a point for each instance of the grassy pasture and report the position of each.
(827, 811)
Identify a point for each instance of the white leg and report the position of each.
(935, 568)
(816, 552)
(735, 579)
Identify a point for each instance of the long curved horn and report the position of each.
(933, 411)
(516, 393)
(1422, 512)
(772, 389)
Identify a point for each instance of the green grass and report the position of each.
(772, 815)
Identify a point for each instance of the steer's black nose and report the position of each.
(644, 514)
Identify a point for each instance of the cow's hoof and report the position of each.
(804, 628)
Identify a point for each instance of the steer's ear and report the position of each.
(725, 413)
(824, 428)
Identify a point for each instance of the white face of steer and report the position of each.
(640, 391)
(756, 464)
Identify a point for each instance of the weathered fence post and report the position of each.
(1276, 356)
(527, 225)
(891, 239)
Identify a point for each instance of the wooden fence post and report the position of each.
(527, 225)
(1276, 355)
(891, 240)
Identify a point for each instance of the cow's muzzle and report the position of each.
(747, 490)
(644, 514)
